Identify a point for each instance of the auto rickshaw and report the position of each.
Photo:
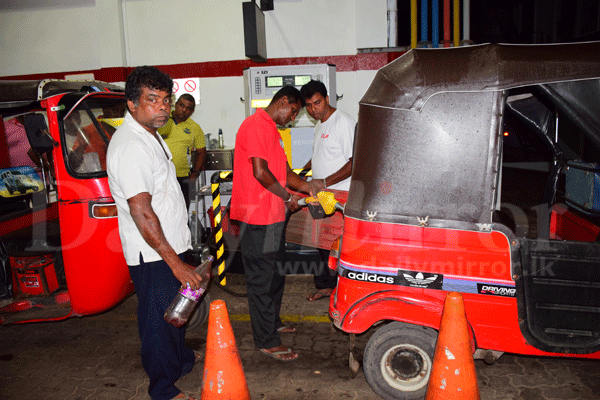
(475, 170)
(60, 250)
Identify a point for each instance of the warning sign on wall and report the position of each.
(187, 85)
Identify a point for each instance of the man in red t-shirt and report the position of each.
(259, 201)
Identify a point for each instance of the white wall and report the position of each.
(212, 30)
(73, 35)
(48, 36)
(183, 31)
(220, 107)
(371, 24)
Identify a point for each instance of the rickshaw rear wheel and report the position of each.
(398, 360)
(200, 314)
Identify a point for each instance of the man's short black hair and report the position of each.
(150, 77)
(188, 97)
(293, 95)
(312, 88)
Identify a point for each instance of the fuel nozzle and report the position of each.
(325, 204)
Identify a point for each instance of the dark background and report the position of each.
(517, 21)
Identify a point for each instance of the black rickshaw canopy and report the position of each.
(428, 142)
(26, 93)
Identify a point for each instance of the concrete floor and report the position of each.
(97, 358)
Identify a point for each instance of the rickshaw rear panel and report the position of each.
(95, 276)
(458, 185)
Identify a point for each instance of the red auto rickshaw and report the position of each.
(59, 245)
(475, 170)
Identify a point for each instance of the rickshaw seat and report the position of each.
(34, 240)
(567, 225)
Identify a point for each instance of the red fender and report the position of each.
(394, 305)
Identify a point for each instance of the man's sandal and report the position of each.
(199, 356)
(286, 329)
(185, 397)
(277, 354)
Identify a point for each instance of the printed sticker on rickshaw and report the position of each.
(426, 280)
(18, 181)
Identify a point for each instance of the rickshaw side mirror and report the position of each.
(37, 133)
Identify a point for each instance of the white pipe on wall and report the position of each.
(392, 14)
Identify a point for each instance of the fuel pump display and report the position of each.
(261, 84)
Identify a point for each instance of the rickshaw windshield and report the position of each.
(86, 132)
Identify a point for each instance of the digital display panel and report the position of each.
(301, 80)
(284, 80)
(274, 81)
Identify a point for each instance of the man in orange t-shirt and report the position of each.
(259, 201)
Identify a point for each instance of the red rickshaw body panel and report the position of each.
(96, 272)
(403, 273)
(95, 269)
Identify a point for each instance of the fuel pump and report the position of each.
(261, 84)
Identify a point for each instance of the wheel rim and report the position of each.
(406, 367)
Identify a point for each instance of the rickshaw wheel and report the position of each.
(398, 360)
(200, 314)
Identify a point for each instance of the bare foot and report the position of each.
(320, 294)
(280, 353)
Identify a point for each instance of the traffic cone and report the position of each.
(453, 374)
(224, 377)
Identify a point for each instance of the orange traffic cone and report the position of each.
(453, 374)
(224, 377)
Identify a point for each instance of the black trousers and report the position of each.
(263, 256)
(324, 277)
(186, 188)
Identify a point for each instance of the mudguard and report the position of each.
(412, 308)
(394, 305)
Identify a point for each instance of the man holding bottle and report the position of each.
(186, 141)
(152, 227)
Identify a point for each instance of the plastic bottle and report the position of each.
(187, 299)
(221, 143)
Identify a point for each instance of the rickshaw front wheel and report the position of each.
(398, 360)
(200, 314)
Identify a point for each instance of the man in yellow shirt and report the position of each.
(186, 142)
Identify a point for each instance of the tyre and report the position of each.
(200, 314)
(398, 360)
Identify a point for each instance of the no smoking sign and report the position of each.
(187, 85)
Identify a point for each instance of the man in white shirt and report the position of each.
(331, 162)
(153, 227)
